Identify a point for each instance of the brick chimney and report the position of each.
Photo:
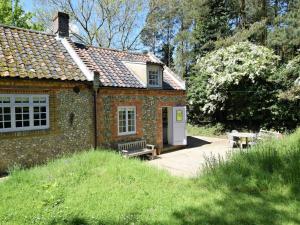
(61, 24)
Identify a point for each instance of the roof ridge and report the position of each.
(24, 29)
(117, 50)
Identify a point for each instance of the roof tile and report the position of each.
(26, 53)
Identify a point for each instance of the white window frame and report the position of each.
(127, 108)
(12, 105)
(158, 77)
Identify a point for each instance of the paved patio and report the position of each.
(188, 162)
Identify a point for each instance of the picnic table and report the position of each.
(246, 135)
(235, 137)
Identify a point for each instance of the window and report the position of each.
(153, 78)
(126, 120)
(179, 115)
(23, 112)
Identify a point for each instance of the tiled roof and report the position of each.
(31, 54)
(113, 73)
(108, 63)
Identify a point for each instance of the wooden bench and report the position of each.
(136, 148)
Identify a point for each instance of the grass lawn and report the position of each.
(99, 187)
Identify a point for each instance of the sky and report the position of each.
(28, 5)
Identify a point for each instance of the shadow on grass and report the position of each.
(129, 219)
(241, 209)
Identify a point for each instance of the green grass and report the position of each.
(207, 130)
(261, 186)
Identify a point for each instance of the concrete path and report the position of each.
(189, 161)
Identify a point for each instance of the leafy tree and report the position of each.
(105, 23)
(11, 13)
(233, 84)
(288, 103)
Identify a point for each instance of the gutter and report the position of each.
(96, 85)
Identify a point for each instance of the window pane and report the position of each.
(5, 117)
(7, 124)
(39, 99)
(36, 99)
(22, 100)
(39, 118)
(19, 117)
(42, 99)
(6, 110)
(4, 99)
(179, 115)
(26, 123)
(22, 116)
(19, 124)
(25, 116)
(18, 110)
(153, 78)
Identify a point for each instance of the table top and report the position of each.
(242, 134)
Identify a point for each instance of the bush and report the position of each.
(206, 130)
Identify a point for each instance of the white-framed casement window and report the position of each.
(153, 78)
(126, 120)
(21, 112)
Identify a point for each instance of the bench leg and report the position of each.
(153, 155)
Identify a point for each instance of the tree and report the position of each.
(285, 38)
(104, 23)
(11, 13)
(211, 23)
(234, 83)
(159, 31)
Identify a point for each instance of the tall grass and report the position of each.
(263, 167)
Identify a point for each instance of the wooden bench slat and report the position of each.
(136, 148)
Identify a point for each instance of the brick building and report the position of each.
(59, 97)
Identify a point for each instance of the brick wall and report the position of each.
(148, 104)
(64, 136)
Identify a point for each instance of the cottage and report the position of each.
(58, 97)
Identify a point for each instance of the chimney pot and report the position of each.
(61, 24)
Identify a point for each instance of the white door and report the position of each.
(179, 126)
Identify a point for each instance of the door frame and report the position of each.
(159, 133)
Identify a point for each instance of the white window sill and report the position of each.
(23, 129)
(127, 134)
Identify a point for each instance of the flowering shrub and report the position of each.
(228, 67)
(233, 82)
